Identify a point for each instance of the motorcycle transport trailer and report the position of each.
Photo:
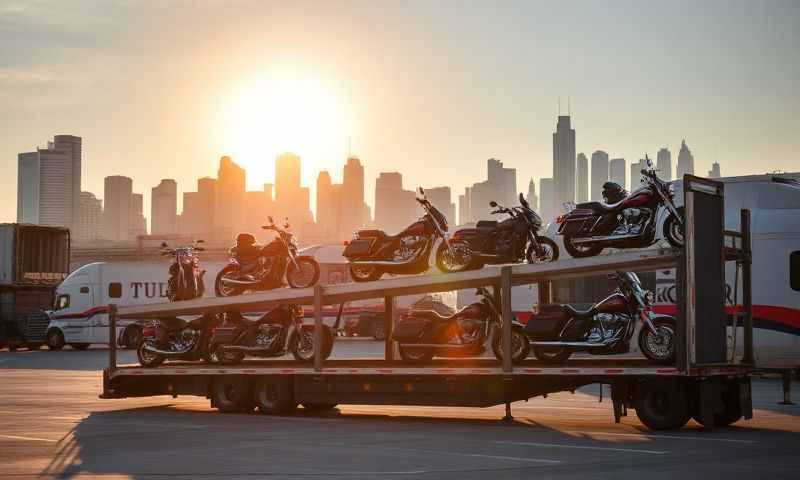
(705, 383)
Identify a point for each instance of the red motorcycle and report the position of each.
(185, 275)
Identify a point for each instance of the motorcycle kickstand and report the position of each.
(508, 418)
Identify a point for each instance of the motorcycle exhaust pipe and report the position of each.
(381, 263)
(606, 238)
(166, 353)
(234, 281)
(438, 346)
(244, 348)
(572, 344)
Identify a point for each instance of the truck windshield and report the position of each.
(62, 302)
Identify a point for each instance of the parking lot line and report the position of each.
(582, 447)
(647, 435)
(32, 439)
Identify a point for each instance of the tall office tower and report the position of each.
(258, 206)
(229, 200)
(90, 218)
(546, 203)
(502, 181)
(324, 199)
(395, 208)
(563, 164)
(533, 200)
(49, 184)
(664, 164)
(714, 172)
(685, 161)
(353, 191)
(463, 207)
(636, 173)
(117, 208)
(582, 178)
(190, 220)
(206, 193)
(441, 199)
(138, 222)
(164, 208)
(291, 200)
(599, 174)
(616, 171)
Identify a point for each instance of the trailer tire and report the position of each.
(80, 346)
(55, 339)
(274, 396)
(318, 407)
(661, 405)
(231, 395)
(732, 411)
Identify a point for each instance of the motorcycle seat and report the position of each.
(379, 235)
(601, 207)
(575, 313)
(484, 225)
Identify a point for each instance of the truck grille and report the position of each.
(35, 326)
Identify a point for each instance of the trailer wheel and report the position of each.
(55, 339)
(231, 395)
(732, 411)
(661, 405)
(318, 407)
(79, 346)
(274, 396)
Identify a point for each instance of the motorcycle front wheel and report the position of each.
(520, 347)
(222, 289)
(548, 251)
(659, 347)
(582, 250)
(303, 347)
(147, 358)
(304, 275)
(674, 230)
(457, 258)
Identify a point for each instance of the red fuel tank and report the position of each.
(614, 303)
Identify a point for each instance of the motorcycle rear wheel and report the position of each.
(581, 251)
(222, 289)
(674, 231)
(304, 275)
(148, 359)
(365, 273)
(457, 258)
(549, 251)
(519, 345)
(303, 348)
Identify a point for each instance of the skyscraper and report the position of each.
(49, 184)
(327, 206)
(599, 174)
(463, 207)
(546, 203)
(533, 200)
(685, 161)
(138, 222)
(395, 208)
(353, 195)
(636, 173)
(206, 193)
(564, 177)
(616, 171)
(191, 218)
(291, 200)
(441, 199)
(714, 172)
(117, 208)
(229, 199)
(582, 178)
(500, 186)
(90, 218)
(164, 208)
(664, 164)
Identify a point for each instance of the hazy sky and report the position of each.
(432, 89)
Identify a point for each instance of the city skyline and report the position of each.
(167, 106)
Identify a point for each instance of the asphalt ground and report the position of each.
(53, 425)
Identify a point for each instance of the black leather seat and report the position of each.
(575, 313)
(432, 315)
(485, 225)
(379, 235)
(600, 207)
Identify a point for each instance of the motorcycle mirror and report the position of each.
(200, 241)
(163, 244)
(493, 204)
(269, 218)
(421, 191)
(522, 200)
(647, 159)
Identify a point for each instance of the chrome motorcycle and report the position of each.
(185, 274)
(176, 339)
(630, 223)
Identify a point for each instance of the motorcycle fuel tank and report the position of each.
(416, 228)
(614, 303)
(638, 199)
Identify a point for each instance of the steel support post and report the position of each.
(747, 287)
(508, 315)
(388, 327)
(318, 328)
(112, 338)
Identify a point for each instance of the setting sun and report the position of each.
(285, 110)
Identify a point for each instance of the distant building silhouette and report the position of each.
(599, 174)
(582, 179)
(546, 202)
(664, 164)
(164, 208)
(229, 200)
(463, 207)
(189, 221)
(197, 218)
(354, 212)
(49, 184)
(500, 186)
(90, 218)
(714, 172)
(395, 208)
(440, 197)
(616, 171)
(685, 161)
(138, 222)
(636, 173)
(291, 199)
(117, 208)
(258, 205)
(532, 199)
(564, 175)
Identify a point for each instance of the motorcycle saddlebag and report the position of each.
(548, 322)
(359, 247)
(409, 329)
(577, 220)
(224, 334)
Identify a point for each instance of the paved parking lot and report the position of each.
(52, 424)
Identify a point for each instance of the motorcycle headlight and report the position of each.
(671, 189)
(649, 297)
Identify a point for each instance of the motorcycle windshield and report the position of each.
(438, 217)
(633, 282)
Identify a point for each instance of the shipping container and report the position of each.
(33, 254)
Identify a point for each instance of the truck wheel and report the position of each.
(732, 411)
(318, 407)
(661, 405)
(231, 395)
(274, 396)
(80, 346)
(55, 339)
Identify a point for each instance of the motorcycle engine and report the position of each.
(266, 335)
(632, 221)
(470, 330)
(186, 338)
(611, 326)
(409, 246)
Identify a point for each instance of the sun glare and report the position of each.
(284, 111)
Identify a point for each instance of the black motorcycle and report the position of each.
(556, 331)
(424, 334)
(274, 334)
(253, 267)
(514, 240)
(372, 252)
(629, 223)
(185, 274)
(176, 339)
